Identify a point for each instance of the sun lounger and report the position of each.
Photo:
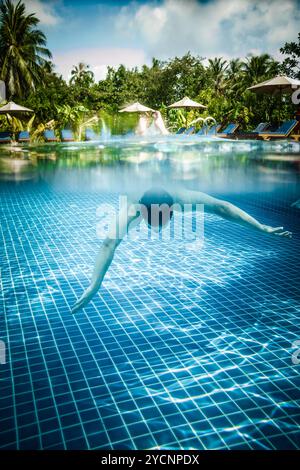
(283, 131)
(202, 131)
(67, 135)
(49, 136)
(213, 130)
(190, 130)
(208, 131)
(262, 126)
(229, 130)
(5, 137)
(23, 136)
(181, 130)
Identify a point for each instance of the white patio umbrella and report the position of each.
(13, 109)
(187, 103)
(277, 85)
(136, 108)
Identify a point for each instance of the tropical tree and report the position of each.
(234, 77)
(217, 73)
(259, 68)
(234, 69)
(291, 64)
(155, 86)
(120, 87)
(73, 116)
(81, 75)
(23, 52)
(185, 76)
(52, 92)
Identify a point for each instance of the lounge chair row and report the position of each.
(261, 132)
(203, 131)
(24, 136)
(288, 129)
(66, 135)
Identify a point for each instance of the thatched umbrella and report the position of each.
(14, 109)
(276, 86)
(279, 84)
(141, 109)
(136, 108)
(186, 103)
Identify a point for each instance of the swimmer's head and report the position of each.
(156, 208)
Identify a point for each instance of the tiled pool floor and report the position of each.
(182, 348)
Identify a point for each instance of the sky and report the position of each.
(108, 33)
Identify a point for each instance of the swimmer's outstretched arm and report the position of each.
(227, 210)
(106, 254)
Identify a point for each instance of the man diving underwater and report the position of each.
(156, 207)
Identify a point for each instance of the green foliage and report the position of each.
(291, 64)
(68, 116)
(17, 125)
(219, 84)
(23, 51)
(47, 96)
(82, 76)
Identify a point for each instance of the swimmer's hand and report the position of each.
(84, 300)
(278, 231)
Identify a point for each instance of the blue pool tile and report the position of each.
(197, 355)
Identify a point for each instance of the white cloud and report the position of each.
(98, 59)
(219, 27)
(45, 11)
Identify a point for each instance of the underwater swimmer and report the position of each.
(156, 207)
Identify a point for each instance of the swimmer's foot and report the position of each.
(278, 231)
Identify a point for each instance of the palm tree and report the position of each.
(234, 75)
(23, 52)
(259, 68)
(216, 72)
(234, 69)
(81, 74)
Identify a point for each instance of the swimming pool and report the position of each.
(183, 347)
